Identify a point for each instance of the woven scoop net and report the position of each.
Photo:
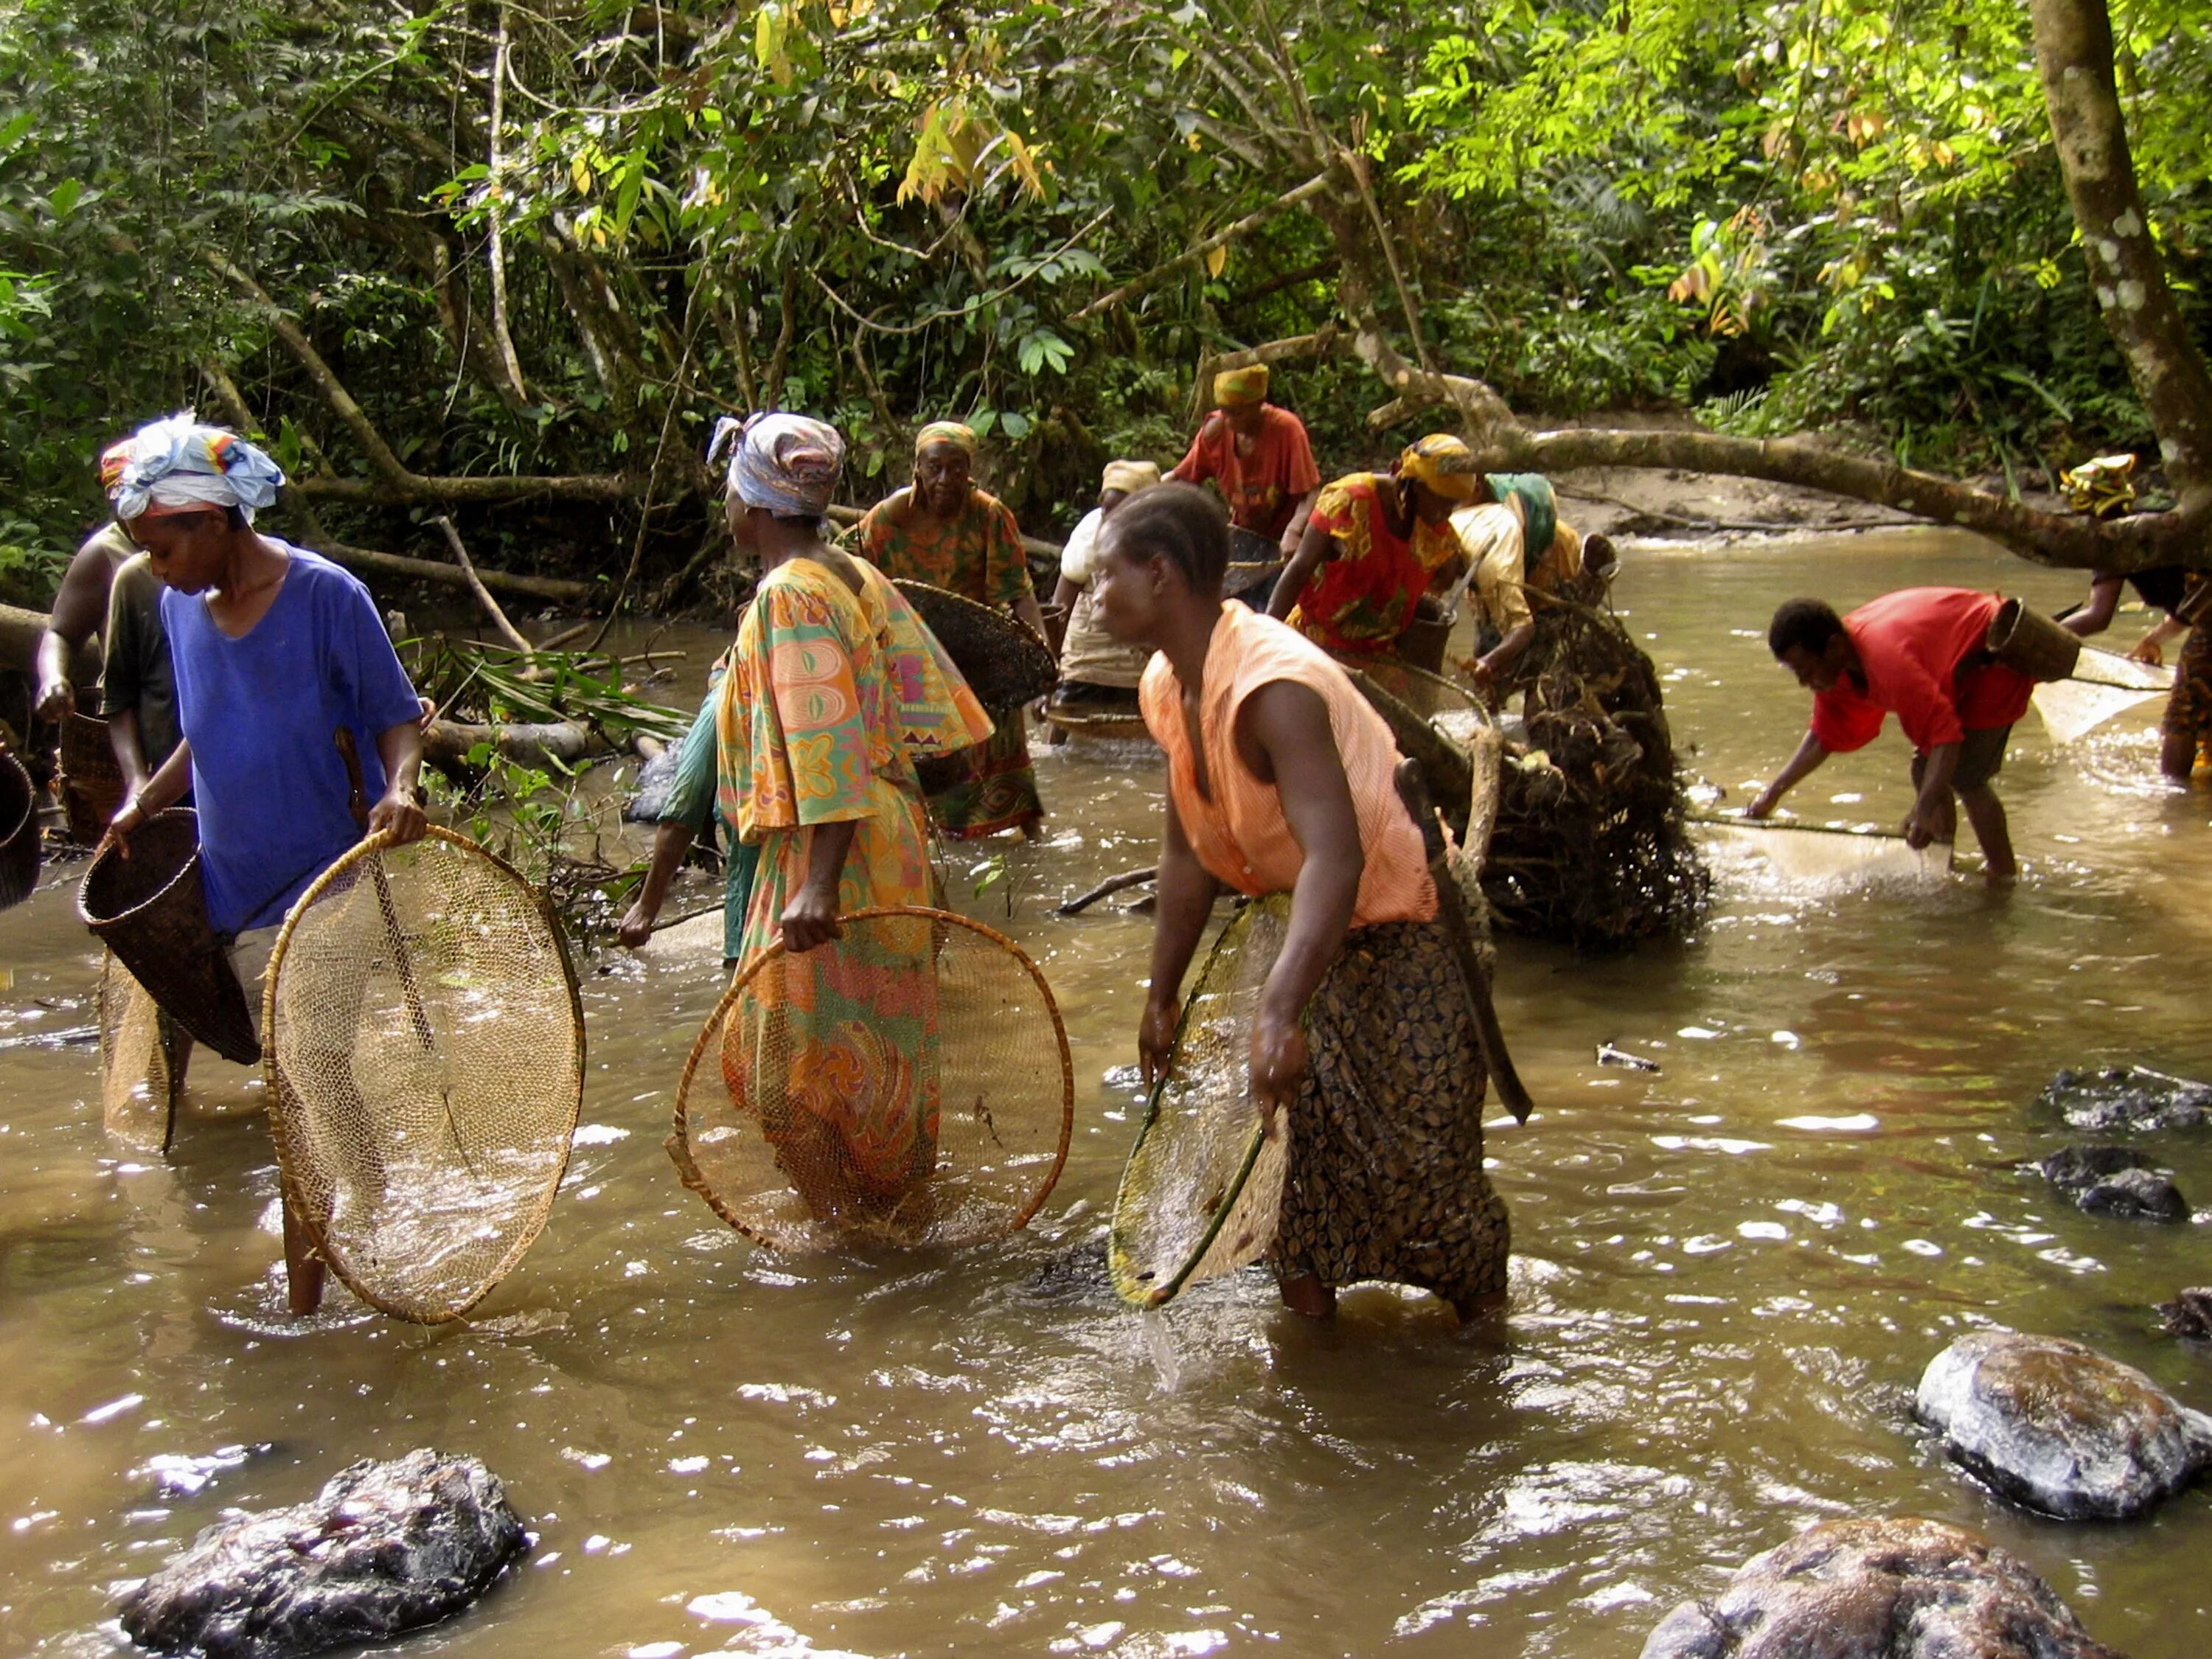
(1202, 1188)
(908, 1084)
(424, 1047)
(140, 1063)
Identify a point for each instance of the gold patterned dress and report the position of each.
(979, 556)
(831, 696)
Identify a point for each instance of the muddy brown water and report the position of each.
(1727, 1276)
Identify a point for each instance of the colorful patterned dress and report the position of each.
(830, 698)
(979, 556)
(1365, 594)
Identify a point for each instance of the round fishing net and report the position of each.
(1819, 856)
(1203, 1186)
(425, 1056)
(141, 1065)
(906, 1084)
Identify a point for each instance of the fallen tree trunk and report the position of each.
(19, 646)
(448, 743)
(558, 588)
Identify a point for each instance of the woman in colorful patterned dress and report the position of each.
(834, 688)
(942, 531)
(1376, 543)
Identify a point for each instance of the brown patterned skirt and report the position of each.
(1385, 1178)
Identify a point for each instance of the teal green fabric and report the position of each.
(1540, 510)
(691, 803)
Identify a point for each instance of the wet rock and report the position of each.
(2128, 1098)
(1892, 1589)
(2076, 1167)
(2189, 1316)
(2134, 1194)
(2058, 1427)
(383, 1548)
(2114, 1181)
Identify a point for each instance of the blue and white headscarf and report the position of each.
(787, 463)
(179, 465)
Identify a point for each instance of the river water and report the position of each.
(1727, 1277)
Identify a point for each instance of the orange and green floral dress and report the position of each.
(979, 556)
(1365, 594)
(830, 697)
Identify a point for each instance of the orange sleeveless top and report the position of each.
(1241, 835)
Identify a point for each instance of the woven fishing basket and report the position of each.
(150, 909)
(19, 832)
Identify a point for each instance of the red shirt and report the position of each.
(1921, 658)
(1263, 489)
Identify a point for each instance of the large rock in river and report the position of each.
(385, 1548)
(2059, 1427)
(1895, 1589)
(2128, 1098)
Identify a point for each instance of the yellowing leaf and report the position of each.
(1216, 261)
(580, 174)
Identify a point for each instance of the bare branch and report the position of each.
(1220, 239)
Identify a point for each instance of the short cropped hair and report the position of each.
(1181, 523)
(1803, 623)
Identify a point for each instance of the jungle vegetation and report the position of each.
(506, 260)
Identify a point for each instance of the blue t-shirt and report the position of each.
(262, 715)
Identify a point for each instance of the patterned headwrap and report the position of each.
(787, 463)
(178, 465)
(1441, 462)
(962, 438)
(2103, 487)
(1130, 477)
(1235, 387)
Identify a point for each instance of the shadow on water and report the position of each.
(1727, 1275)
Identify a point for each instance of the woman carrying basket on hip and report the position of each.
(1282, 779)
(834, 687)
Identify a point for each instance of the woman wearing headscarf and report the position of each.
(1095, 668)
(834, 688)
(943, 531)
(293, 706)
(1281, 782)
(1376, 544)
(1258, 456)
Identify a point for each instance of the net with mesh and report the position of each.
(2071, 709)
(1816, 855)
(908, 1083)
(141, 1063)
(425, 1056)
(1203, 1186)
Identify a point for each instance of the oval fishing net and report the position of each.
(425, 1057)
(141, 1063)
(1203, 1186)
(1004, 664)
(908, 1084)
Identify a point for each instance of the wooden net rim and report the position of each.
(678, 1144)
(280, 1127)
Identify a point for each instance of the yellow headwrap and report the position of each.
(1235, 387)
(962, 438)
(1441, 462)
(1130, 477)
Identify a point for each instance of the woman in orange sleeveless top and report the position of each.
(1281, 780)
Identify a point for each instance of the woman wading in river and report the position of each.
(942, 531)
(1281, 780)
(834, 687)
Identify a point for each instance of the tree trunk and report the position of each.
(2074, 51)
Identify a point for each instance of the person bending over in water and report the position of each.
(1917, 653)
(834, 687)
(1281, 780)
